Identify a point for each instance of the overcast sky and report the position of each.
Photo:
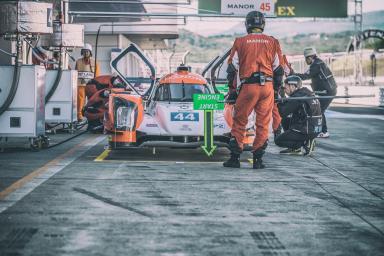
(214, 26)
(373, 5)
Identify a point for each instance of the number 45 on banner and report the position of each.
(242, 7)
(265, 7)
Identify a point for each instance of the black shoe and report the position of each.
(258, 163)
(233, 162)
(291, 151)
(309, 147)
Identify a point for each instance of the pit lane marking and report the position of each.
(102, 156)
(163, 161)
(22, 187)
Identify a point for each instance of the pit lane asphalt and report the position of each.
(179, 202)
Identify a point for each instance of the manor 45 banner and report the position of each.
(242, 7)
(237, 7)
(278, 8)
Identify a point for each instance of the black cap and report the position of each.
(293, 80)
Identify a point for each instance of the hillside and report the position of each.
(203, 49)
(285, 28)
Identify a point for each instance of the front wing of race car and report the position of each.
(177, 125)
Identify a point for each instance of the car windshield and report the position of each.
(179, 92)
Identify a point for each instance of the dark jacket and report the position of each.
(306, 114)
(321, 76)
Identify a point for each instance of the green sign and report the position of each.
(208, 101)
(312, 8)
(288, 8)
(209, 6)
(208, 146)
(222, 88)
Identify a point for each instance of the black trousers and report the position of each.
(291, 139)
(285, 123)
(324, 104)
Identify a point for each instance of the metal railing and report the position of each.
(343, 66)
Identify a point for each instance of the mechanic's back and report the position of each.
(259, 58)
(256, 52)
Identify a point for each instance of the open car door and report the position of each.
(206, 71)
(135, 69)
(218, 73)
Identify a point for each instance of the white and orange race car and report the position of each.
(154, 112)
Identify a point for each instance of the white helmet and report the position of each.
(310, 51)
(87, 47)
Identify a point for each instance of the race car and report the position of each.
(97, 91)
(154, 112)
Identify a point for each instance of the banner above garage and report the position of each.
(278, 8)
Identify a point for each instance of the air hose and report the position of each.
(58, 76)
(56, 82)
(15, 80)
(59, 72)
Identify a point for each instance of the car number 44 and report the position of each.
(185, 116)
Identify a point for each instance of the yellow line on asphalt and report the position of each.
(21, 182)
(102, 156)
(160, 161)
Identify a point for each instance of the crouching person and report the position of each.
(301, 118)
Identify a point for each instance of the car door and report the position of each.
(218, 73)
(136, 70)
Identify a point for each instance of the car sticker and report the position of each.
(185, 116)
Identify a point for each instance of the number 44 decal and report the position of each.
(185, 116)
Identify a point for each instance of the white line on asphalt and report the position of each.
(339, 115)
(27, 184)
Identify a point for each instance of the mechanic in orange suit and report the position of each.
(276, 118)
(259, 66)
(87, 69)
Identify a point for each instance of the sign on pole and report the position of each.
(278, 8)
(236, 7)
(242, 7)
(208, 103)
(312, 8)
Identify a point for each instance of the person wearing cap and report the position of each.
(301, 119)
(322, 81)
(87, 69)
(257, 58)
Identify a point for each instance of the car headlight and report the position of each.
(126, 113)
(125, 118)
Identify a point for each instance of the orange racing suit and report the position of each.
(260, 53)
(87, 69)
